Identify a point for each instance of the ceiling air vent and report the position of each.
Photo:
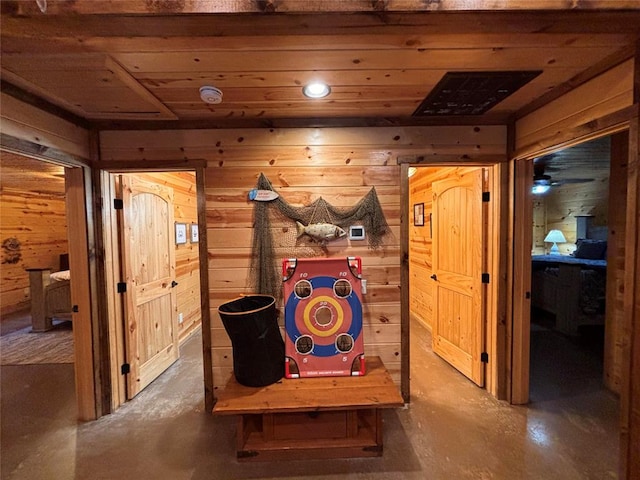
(471, 93)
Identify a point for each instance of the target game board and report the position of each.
(323, 317)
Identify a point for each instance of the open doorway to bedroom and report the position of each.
(572, 214)
(574, 290)
(35, 326)
(572, 337)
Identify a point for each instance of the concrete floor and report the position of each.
(451, 430)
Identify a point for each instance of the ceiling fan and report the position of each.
(543, 182)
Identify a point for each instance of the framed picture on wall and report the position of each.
(181, 233)
(418, 214)
(195, 234)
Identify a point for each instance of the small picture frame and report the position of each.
(181, 233)
(195, 233)
(418, 214)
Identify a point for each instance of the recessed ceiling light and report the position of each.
(316, 90)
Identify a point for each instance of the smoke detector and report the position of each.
(211, 94)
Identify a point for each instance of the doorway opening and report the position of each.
(583, 393)
(152, 237)
(574, 362)
(453, 236)
(36, 325)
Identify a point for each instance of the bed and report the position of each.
(572, 287)
(50, 297)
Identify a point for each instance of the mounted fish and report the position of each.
(321, 232)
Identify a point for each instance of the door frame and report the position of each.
(80, 213)
(521, 216)
(519, 321)
(110, 268)
(495, 294)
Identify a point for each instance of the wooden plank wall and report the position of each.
(29, 123)
(340, 165)
(32, 201)
(559, 208)
(187, 258)
(539, 226)
(553, 124)
(615, 339)
(420, 285)
(420, 251)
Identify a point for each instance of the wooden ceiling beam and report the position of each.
(583, 77)
(185, 7)
(51, 27)
(342, 122)
(42, 104)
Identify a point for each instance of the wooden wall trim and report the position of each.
(452, 160)
(110, 253)
(337, 122)
(154, 166)
(81, 294)
(207, 358)
(100, 341)
(405, 364)
(630, 398)
(630, 391)
(521, 281)
(606, 125)
(496, 328)
(40, 152)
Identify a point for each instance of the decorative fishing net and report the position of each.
(265, 270)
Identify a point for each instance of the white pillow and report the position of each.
(61, 276)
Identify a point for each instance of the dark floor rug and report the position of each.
(24, 347)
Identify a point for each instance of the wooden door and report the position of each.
(149, 266)
(458, 322)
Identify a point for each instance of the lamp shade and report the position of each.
(555, 236)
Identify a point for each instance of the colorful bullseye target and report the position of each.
(323, 317)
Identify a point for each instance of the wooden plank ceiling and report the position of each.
(113, 62)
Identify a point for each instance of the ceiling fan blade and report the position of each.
(571, 180)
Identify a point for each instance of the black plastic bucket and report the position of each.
(258, 349)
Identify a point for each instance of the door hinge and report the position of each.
(75, 309)
(125, 369)
(486, 196)
(484, 357)
(118, 204)
(485, 278)
(122, 287)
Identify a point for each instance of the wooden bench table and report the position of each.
(326, 417)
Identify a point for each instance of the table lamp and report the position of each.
(555, 237)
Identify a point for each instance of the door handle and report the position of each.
(173, 283)
(434, 277)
